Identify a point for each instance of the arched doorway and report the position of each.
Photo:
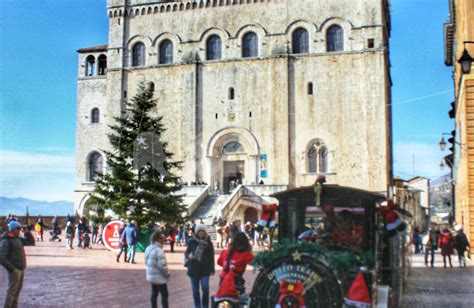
(234, 158)
(251, 215)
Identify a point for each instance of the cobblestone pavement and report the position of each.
(439, 286)
(58, 277)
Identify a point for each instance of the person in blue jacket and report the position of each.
(130, 235)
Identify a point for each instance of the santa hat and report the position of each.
(227, 289)
(358, 295)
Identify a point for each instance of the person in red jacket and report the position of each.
(446, 242)
(235, 258)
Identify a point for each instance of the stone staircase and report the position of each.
(206, 212)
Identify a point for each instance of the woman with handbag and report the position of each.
(199, 259)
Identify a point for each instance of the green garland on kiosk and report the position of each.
(341, 260)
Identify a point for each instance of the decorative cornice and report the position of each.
(169, 7)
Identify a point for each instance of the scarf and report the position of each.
(199, 250)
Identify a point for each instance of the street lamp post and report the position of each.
(449, 160)
(466, 59)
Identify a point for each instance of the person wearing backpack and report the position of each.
(446, 242)
(13, 259)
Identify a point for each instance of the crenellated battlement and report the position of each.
(177, 6)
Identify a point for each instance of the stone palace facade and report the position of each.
(269, 92)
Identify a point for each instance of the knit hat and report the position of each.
(358, 295)
(13, 225)
(458, 227)
(200, 227)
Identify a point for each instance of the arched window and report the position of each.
(95, 115)
(233, 147)
(151, 86)
(102, 64)
(323, 159)
(335, 38)
(250, 45)
(138, 54)
(231, 93)
(166, 52)
(300, 41)
(317, 155)
(310, 88)
(214, 48)
(90, 66)
(95, 166)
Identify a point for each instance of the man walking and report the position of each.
(130, 235)
(13, 259)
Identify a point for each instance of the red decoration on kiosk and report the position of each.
(291, 295)
(268, 217)
(391, 218)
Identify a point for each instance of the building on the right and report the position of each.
(459, 45)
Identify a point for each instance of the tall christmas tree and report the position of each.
(138, 183)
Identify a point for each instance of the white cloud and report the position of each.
(40, 176)
(14, 163)
(422, 159)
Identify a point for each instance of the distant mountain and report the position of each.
(18, 206)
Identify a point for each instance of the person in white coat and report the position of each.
(157, 272)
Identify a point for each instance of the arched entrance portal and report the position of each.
(234, 158)
(90, 208)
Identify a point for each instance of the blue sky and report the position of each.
(38, 69)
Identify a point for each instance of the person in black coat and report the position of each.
(199, 259)
(462, 244)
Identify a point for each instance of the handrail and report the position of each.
(233, 198)
(240, 192)
(199, 199)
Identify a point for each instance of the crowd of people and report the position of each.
(448, 241)
(234, 239)
(199, 261)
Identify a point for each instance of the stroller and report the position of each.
(86, 241)
(55, 234)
